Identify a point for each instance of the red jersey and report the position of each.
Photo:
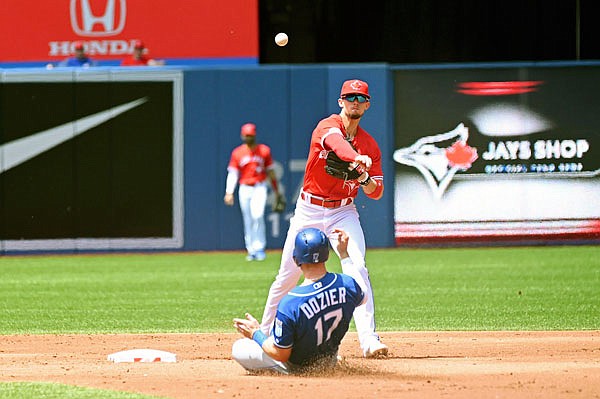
(132, 61)
(252, 164)
(317, 181)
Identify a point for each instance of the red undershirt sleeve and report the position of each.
(341, 147)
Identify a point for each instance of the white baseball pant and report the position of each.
(253, 200)
(252, 357)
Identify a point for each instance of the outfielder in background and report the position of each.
(342, 158)
(311, 319)
(250, 164)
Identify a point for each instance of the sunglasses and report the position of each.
(361, 99)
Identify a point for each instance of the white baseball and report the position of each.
(281, 39)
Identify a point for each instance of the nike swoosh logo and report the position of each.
(21, 150)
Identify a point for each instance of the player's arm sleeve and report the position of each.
(232, 180)
(275, 352)
(283, 331)
(279, 345)
(337, 144)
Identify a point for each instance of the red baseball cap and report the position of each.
(249, 129)
(139, 44)
(78, 46)
(355, 86)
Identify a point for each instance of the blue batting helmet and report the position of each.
(312, 246)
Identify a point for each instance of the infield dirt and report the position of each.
(421, 365)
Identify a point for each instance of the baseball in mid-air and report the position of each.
(281, 39)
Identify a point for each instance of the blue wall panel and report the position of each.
(201, 145)
(259, 96)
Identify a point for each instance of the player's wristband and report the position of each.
(259, 337)
(378, 192)
(366, 181)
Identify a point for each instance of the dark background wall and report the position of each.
(424, 31)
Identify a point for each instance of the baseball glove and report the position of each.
(340, 169)
(279, 203)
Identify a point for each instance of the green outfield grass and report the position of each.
(538, 288)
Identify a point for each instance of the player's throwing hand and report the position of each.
(364, 160)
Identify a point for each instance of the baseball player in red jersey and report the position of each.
(327, 203)
(250, 164)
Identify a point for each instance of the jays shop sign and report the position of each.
(485, 155)
(108, 29)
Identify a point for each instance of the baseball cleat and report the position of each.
(250, 258)
(376, 350)
(260, 256)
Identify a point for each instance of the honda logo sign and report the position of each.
(87, 23)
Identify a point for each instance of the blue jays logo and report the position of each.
(351, 185)
(437, 164)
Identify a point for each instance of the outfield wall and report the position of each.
(135, 159)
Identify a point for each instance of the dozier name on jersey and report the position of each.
(323, 300)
